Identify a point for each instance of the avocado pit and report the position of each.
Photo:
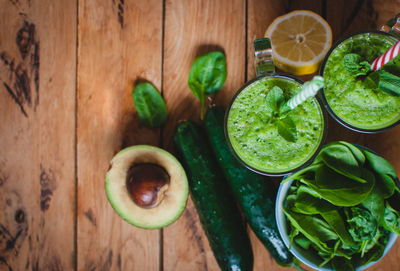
(147, 184)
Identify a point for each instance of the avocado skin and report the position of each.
(255, 193)
(217, 210)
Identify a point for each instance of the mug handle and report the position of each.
(392, 26)
(263, 61)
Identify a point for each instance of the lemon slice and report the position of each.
(300, 39)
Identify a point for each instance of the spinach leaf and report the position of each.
(379, 164)
(299, 174)
(302, 242)
(341, 159)
(342, 264)
(340, 190)
(358, 154)
(362, 225)
(374, 203)
(287, 129)
(307, 203)
(312, 227)
(386, 185)
(391, 220)
(207, 75)
(335, 220)
(149, 105)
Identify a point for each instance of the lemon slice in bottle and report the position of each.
(300, 39)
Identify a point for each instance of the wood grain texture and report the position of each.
(119, 45)
(219, 25)
(37, 90)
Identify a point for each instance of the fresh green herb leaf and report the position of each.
(274, 99)
(354, 65)
(358, 154)
(341, 190)
(149, 105)
(335, 220)
(207, 75)
(303, 242)
(341, 159)
(379, 164)
(375, 204)
(389, 83)
(342, 264)
(362, 225)
(385, 184)
(287, 129)
(391, 219)
(308, 203)
(312, 227)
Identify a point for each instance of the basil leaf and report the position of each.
(207, 75)
(287, 129)
(274, 99)
(149, 105)
(379, 164)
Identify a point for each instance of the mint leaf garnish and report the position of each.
(287, 129)
(274, 99)
(389, 83)
(354, 65)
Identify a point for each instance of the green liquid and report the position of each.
(254, 135)
(352, 100)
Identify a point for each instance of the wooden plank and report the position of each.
(37, 90)
(260, 14)
(193, 28)
(119, 44)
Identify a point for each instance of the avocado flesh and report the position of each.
(175, 197)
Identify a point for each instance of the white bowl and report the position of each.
(303, 255)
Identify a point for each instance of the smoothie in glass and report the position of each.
(252, 131)
(353, 100)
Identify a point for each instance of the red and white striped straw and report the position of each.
(386, 57)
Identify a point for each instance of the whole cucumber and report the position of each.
(254, 192)
(217, 210)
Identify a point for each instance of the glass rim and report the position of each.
(309, 160)
(322, 92)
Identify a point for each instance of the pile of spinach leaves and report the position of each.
(344, 205)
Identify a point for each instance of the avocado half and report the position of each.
(147, 186)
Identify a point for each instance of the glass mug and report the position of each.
(356, 102)
(254, 131)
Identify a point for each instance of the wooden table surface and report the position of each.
(67, 69)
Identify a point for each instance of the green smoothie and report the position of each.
(353, 99)
(253, 132)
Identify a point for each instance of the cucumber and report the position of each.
(255, 193)
(217, 210)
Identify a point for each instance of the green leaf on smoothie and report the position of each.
(354, 65)
(287, 129)
(274, 99)
(389, 83)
